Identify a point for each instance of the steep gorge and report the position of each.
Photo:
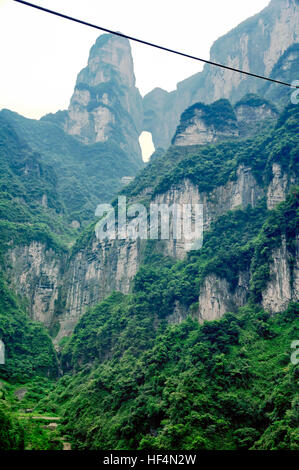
(61, 289)
(144, 343)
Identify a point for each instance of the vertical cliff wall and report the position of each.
(59, 289)
(105, 104)
(106, 107)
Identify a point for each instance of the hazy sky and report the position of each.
(41, 55)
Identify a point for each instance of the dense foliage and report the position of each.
(18, 430)
(30, 207)
(134, 381)
(24, 183)
(227, 384)
(213, 165)
(28, 347)
(11, 432)
(87, 175)
(281, 227)
(220, 115)
(255, 101)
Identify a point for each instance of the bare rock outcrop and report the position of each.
(278, 186)
(106, 105)
(205, 124)
(283, 285)
(216, 296)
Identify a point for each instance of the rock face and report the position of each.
(35, 272)
(94, 273)
(105, 104)
(59, 290)
(255, 46)
(286, 68)
(202, 124)
(278, 187)
(252, 112)
(283, 286)
(216, 297)
(241, 192)
(106, 107)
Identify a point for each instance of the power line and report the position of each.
(146, 43)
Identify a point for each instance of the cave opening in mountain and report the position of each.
(147, 145)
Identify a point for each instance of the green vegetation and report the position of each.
(248, 238)
(29, 350)
(133, 381)
(24, 183)
(20, 430)
(86, 175)
(30, 207)
(213, 165)
(255, 101)
(11, 432)
(219, 114)
(281, 225)
(226, 384)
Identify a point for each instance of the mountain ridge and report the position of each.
(252, 46)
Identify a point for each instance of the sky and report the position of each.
(41, 55)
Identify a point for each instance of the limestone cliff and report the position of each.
(252, 113)
(203, 124)
(283, 285)
(286, 69)
(256, 45)
(96, 271)
(105, 104)
(216, 296)
(35, 272)
(59, 290)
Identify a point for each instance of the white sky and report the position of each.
(41, 55)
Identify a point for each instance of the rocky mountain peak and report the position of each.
(105, 104)
(255, 45)
(109, 58)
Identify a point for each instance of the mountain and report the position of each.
(30, 210)
(92, 145)
(254, 46)
(226, 175)
(106, 105)
(145, 343)
(195, 355)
